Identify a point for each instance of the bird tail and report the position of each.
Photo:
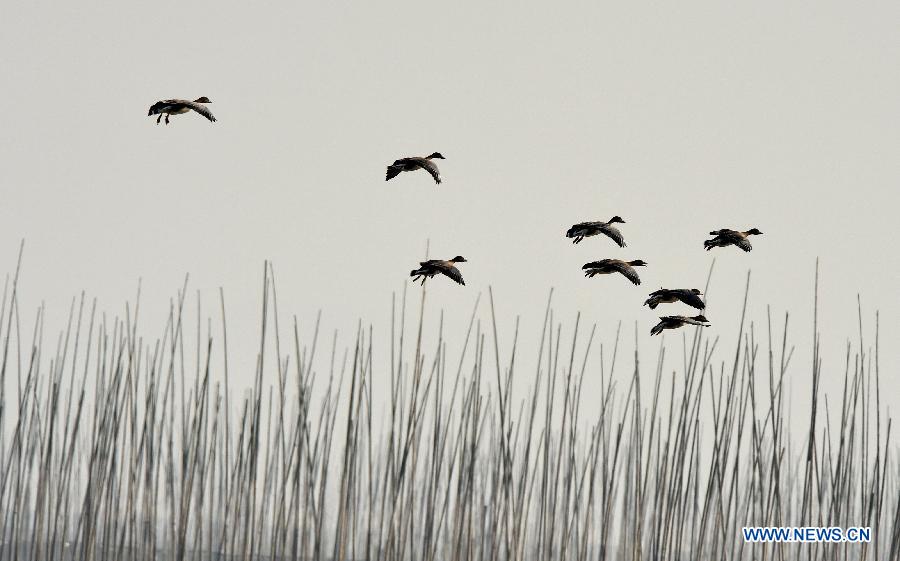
(709, 244)
(657, 329)
(653, 302)
(392, 172)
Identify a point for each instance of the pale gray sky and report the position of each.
(679, 117)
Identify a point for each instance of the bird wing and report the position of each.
(690, 299)
(614, 234)
(743, 243)
(431, 168)
(453, 273)
(628, 271)
(200, 108)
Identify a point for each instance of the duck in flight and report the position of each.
(428, 269)
(690, 296)
(674, 322)
(727, 237)
(414, 163)
(178, 106)
(608, 266)
(587, 229)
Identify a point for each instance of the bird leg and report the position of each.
(159, 118)
(167, 118)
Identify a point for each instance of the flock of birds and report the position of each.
(434, 267)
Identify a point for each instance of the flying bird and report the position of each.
(608, 266)
(414, 163)
(428, 269)
(586, 229)
(690, 296)
(674, 322)
(178, 106)
(727, 237)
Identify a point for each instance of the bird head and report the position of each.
(203, 99)
(615, 219)
(754, 232)
(459, 259)
(700, 317)
(437, 156)
(638, 263)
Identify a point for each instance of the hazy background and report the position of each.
(681, 118)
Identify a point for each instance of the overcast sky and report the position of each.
(679, 117)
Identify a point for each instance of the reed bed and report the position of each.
(115, 446)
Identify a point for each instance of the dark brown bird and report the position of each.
(587, 229)
(178, 106)
(690, 296)
(608, 266)
(727, 237)
(414, 163)
(674, 322)
(428, 269)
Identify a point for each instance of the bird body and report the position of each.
(414, 163)
(726, 237)
(690, 296)
(428, 269)
(586, 229)
(609, 266)
(168, 107)
(674, 322)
